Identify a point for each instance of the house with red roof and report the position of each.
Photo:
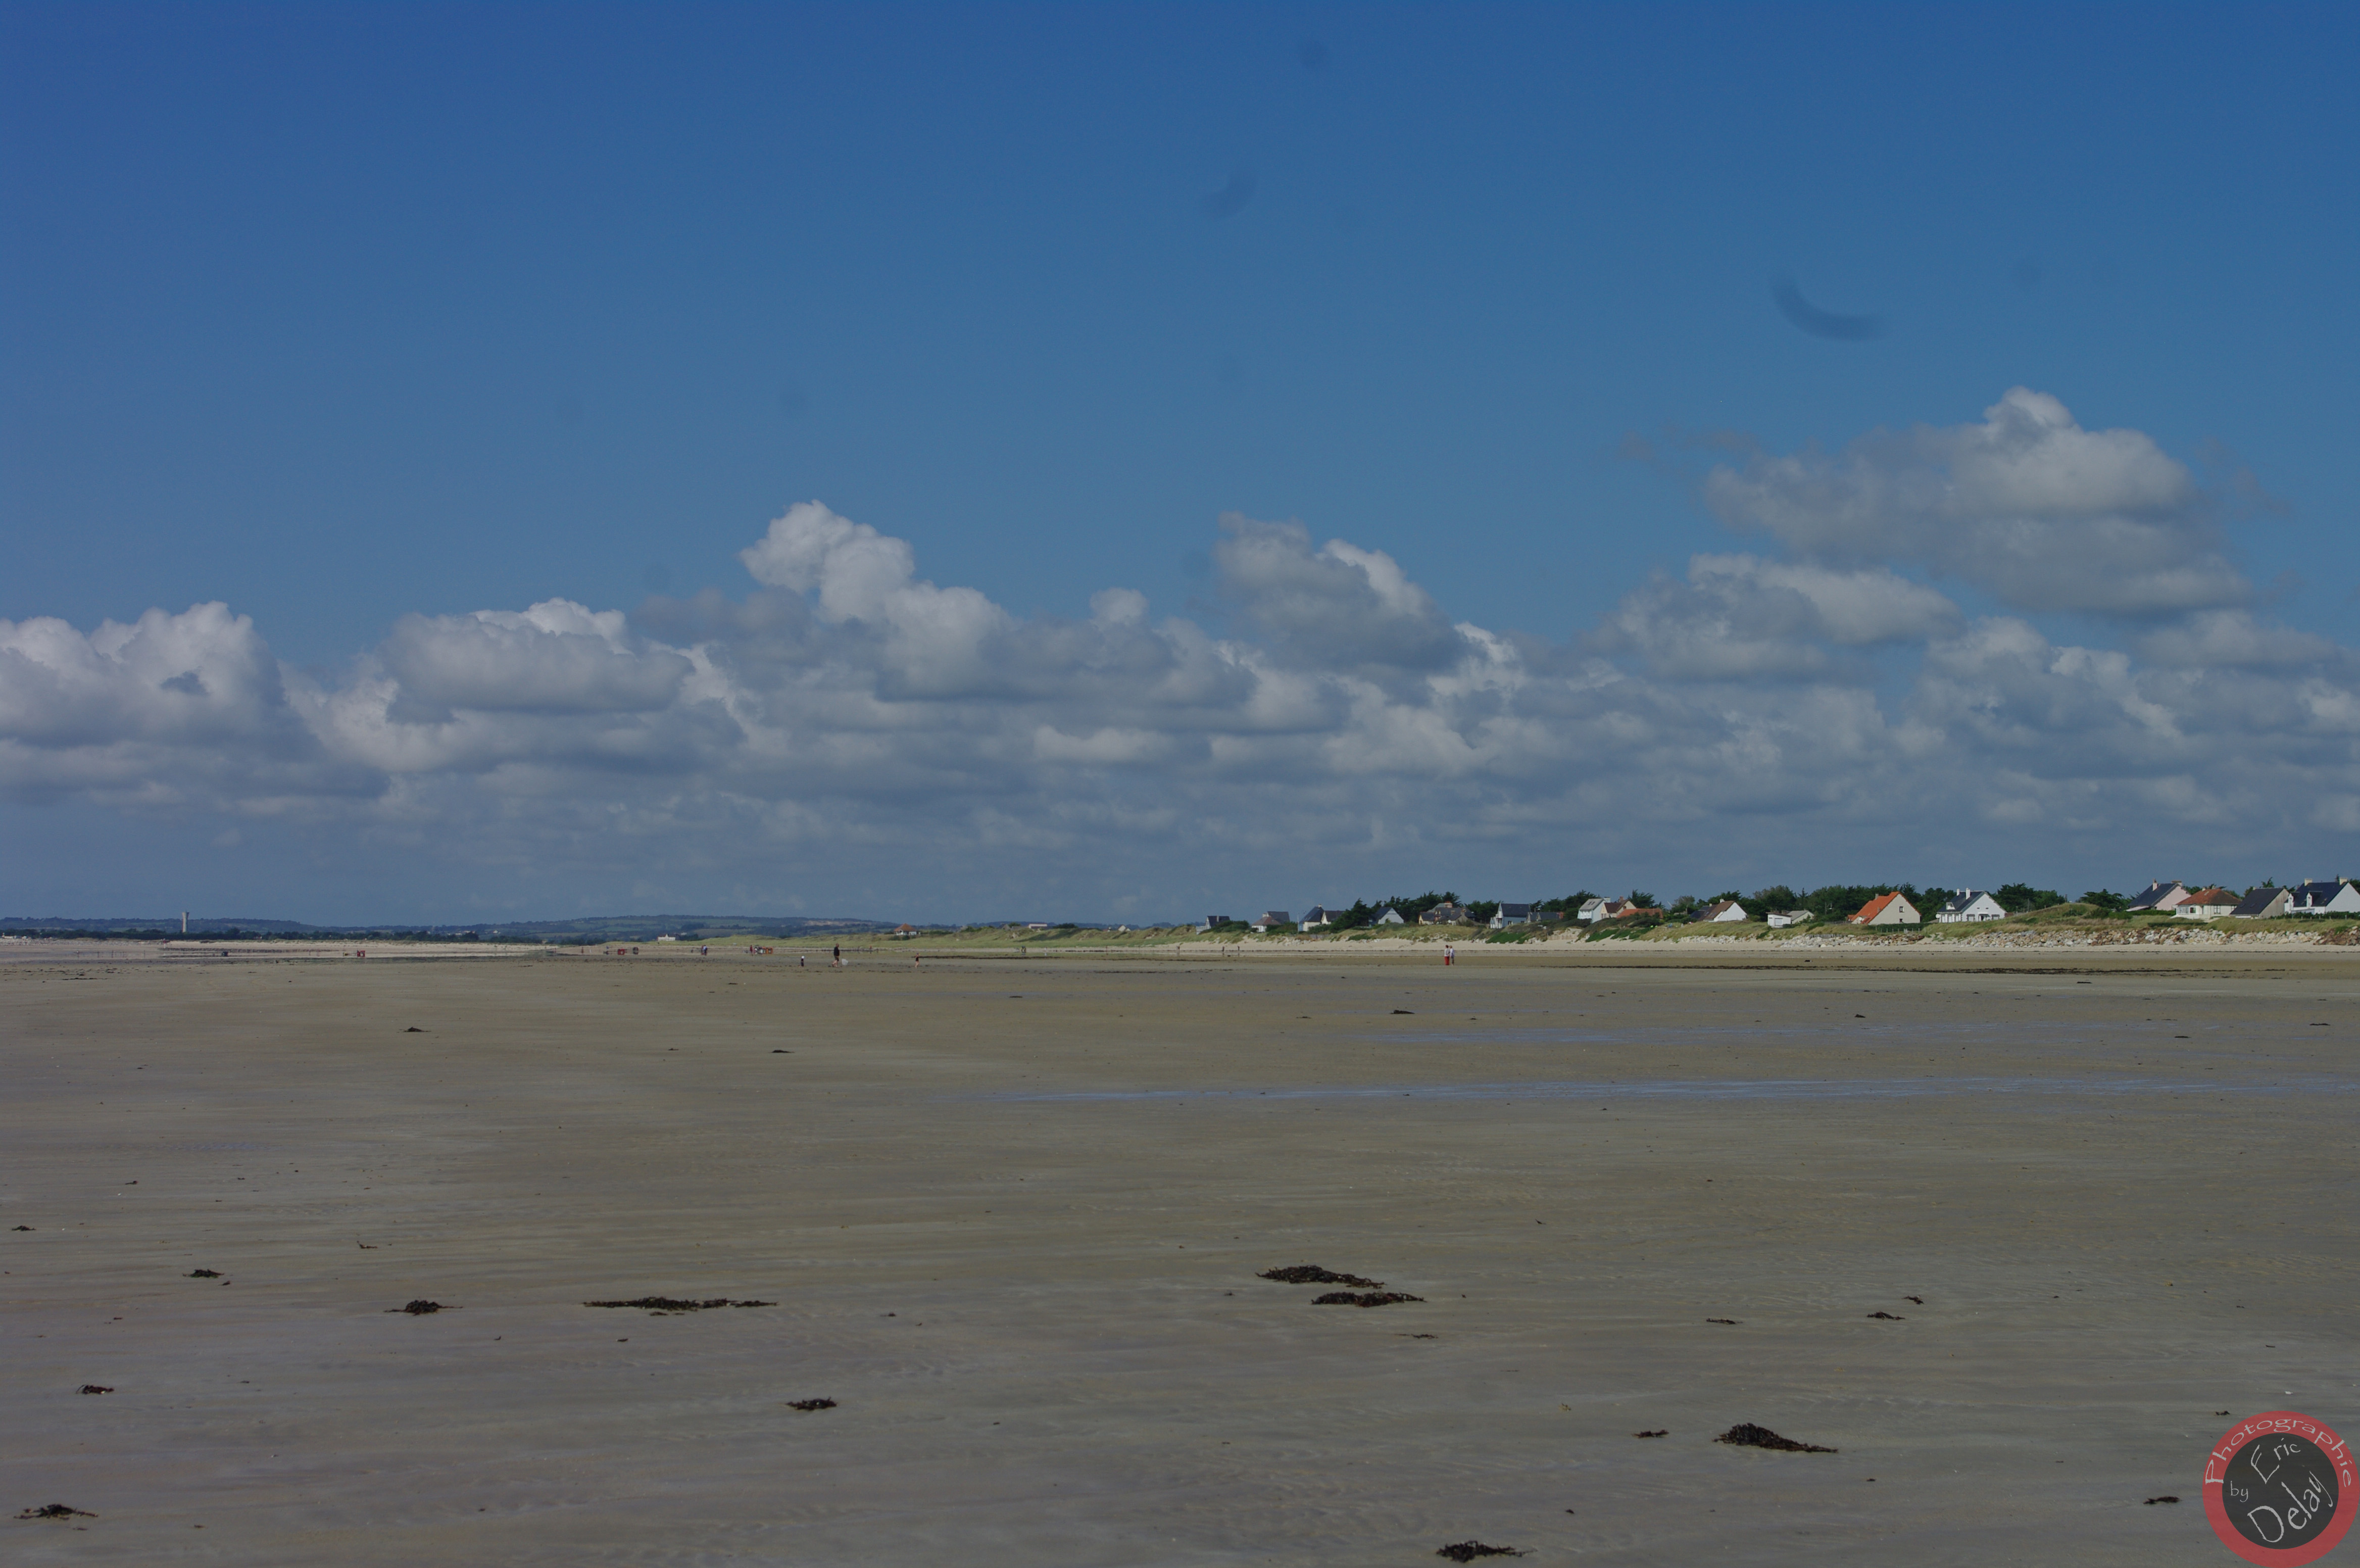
(2208, 903)
(1886, 909)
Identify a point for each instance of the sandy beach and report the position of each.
(2009, 1231)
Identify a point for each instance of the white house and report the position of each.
(1318, 919)
(1967, 903)
(1727, 912)
(1592, 911)
(1212, 921)
(1784, 917)
(1511, 914)
(2160, 896)
(1390, 916)
(1270, 918)
(1890, 909)
(2208, 903)
(2336, 897)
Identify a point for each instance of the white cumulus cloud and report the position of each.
(851, 721)
(2028, 506)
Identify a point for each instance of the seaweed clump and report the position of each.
(1373, 1298)
(1746, 1435)
(1312, 1274)
(677, 1304)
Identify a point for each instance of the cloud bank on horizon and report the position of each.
(1827, 696)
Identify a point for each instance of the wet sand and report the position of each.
(1011, 1213)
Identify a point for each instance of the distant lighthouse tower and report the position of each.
(184, 922)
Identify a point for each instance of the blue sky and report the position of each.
(355, 319)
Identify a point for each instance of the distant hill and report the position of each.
(158, 925)
(594, 928)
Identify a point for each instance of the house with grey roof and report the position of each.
(1511, 914)
(2338, 896)
(2159, 897)
(1968, 904)
(2263, 903)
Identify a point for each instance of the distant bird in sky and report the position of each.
(1231, 199)
(1819, 322)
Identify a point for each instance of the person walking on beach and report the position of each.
(1449, 955)
(837, 953)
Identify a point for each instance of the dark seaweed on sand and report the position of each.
(1746, 1435)
(420, 1307)
(673, 1304)
(57, 1511)
(1312, 1274)
(97, 1388)
(2167, 1498)
(811, 1404)
(202, 1274)
(1373, 1299)
(1468, 1550)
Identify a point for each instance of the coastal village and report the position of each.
(2317, 910)
(1594, 917)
